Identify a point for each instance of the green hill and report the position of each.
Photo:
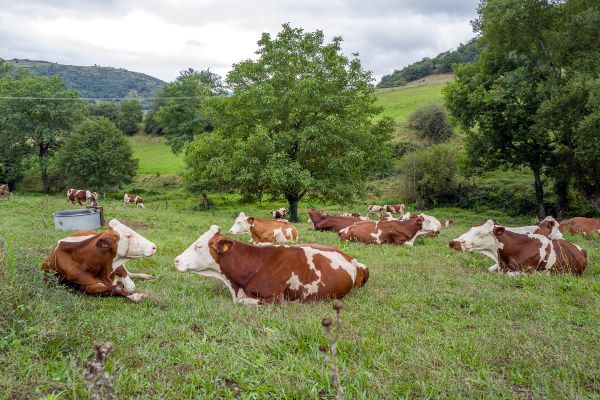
(95, 81)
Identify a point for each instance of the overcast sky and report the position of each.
(162, 37)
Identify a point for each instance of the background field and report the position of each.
(430, 323)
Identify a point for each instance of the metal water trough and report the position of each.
(76, 220)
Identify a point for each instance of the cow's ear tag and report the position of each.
(224, 245)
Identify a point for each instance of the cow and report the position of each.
(547, 227)
(375, 209)
(447, 222)
(273, 274)
(82, 196)
(280, 213)
(325, 222)
(4, 190)
(264, 230)
(393, 231)
(134, 199)
(394, 208)
(95, 262)
(580, 225)
(515, 253)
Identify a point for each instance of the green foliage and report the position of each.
(151, 126)
(131, 115)
(181, 118)
(97, 156)
(299, 121)
(95, 82)
(107, 109)
(431, 123)
(441, 64)
(429, 175)
(32, 126)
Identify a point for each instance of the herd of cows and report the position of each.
(266, 271)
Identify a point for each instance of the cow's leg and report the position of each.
(493, 268)
(141, 277)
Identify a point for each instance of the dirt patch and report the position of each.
(522, 391)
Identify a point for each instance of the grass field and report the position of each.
(155, 156)
(399, 103)
(430, 323)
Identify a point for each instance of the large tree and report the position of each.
(299, 121)
(178, 108)
(97, 156)
(36, 113)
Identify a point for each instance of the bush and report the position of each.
(97, 156)
(431, 123)
(429, 175)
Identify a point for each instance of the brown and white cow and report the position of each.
(394, 208)
(580, 225)
(392, 231)
(280, 213)
(447, 222)
(4, 190)
(264, 230)
(324, 222)
(547, 227)
(95, 262)
(375, 209)
(82, 196)
(347, 214)
(515, 253)
(133, 199)
(273, 274)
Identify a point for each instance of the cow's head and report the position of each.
(131, 243)
(199, 256)
(482, 238)
(242, 224)
(431, 225)
(549, 227)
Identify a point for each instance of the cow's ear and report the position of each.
(104, 243)
(499, 230)
(550, 224)
(223, 246)
(250, 219)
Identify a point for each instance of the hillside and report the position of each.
(95, 81)
(440, 64)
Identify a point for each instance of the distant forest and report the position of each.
(95, 81)
(440, 64)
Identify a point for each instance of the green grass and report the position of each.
(399, 103)
(430, 323)
(155, 156)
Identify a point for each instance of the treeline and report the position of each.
(96, 81)
(440, 64)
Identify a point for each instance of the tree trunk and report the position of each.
(205, 201)
(539, 192)
(293, 202)
(562, 192)
(43, 156)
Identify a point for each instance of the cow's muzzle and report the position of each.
(455, 245)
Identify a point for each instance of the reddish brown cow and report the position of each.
(394, 208)
(133, 199)
(82, 196)
(4, 190)
(325, 222)
(580, 225)
(516, 253)
(393, 231)
(273, 274)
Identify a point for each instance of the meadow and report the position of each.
(430, 323)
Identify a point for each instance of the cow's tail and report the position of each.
(362, 274)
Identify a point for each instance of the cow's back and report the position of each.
(569, 257)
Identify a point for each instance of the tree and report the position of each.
(431, 123)
(180, 115)
(151, 126)
(41, 114)
(130, 116)
(106, 109)
(299, 121)
(97, 156)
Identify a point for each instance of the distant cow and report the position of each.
(547, 227)
(515, 253)
(273, 274)
(391, 231)
(264, 230)
(280, 213)
(447, 222)
(375, 209)
(325, 222)
(95, 262)
(580, 225)
(82, 196)
(4, 190)
(134, 199)
(394, 208)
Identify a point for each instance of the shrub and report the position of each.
(431, 123)
(97, 156)
(429, 175)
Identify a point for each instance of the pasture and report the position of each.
(398, 103)
(430, 322)
(155, 155)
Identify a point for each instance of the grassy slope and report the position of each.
(429, 323)
(155, 156)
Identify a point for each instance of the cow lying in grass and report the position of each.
(392, 231)
(515, 253)
(273, 274)
(324, 222)
(95, 262)
(580, 225)
(264, 230)
(547, 227)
